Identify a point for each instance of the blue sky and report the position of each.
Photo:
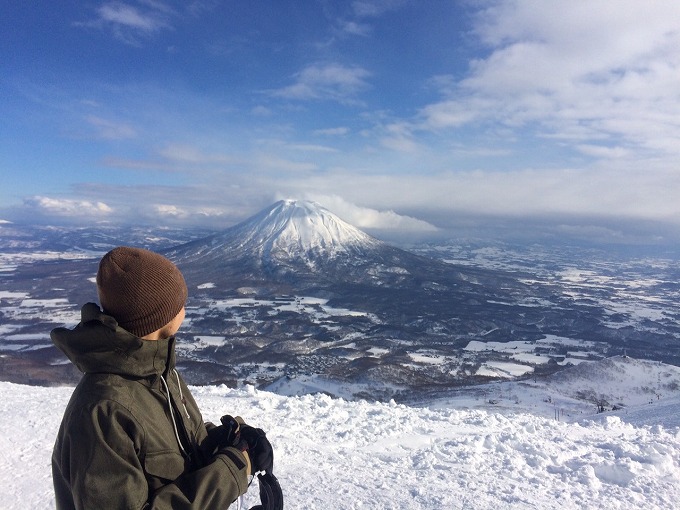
(416, 116)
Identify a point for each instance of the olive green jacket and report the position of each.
(132, 436)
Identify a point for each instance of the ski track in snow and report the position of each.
(336, 454)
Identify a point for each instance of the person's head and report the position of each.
(143, 291)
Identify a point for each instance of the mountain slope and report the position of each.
(618, 385)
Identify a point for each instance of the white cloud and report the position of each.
(373, 8)
(77, 209)
(261, 111)
(454, 113)
(186, 153)
(582, 70)
(338, 131)
(404, 202)
(366, 217)
(355, 28)
(399, 137)
(326, 82)
(601, 151)
(171, 210)
(130, 23)
(138, 164)
(111, 130)
(281, 166)
(608, 191)
(307, 147)
(129, 16)
(204, 205)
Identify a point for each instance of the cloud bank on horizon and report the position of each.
(394, 114)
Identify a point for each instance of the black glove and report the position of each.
(234, 432)
(228, 434)
(222, 436)
(259, 449)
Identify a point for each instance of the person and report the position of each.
(132, 435)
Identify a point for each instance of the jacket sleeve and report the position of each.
(101, 459)
(216, 485)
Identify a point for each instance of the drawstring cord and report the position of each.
(172, 415)
(239, 500)
(181, 396)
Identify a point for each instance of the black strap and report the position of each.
(271, 495)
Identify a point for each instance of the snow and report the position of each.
(524, 353)
(503, 369)
(44, 303)
(298, 229)
(9, 261)
(209, 340)
(306, 225)
(4, 294)
(337, 454)
(19, 307)
(316, 307)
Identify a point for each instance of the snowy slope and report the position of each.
(634, 386)
(300, 227)
(335, 454)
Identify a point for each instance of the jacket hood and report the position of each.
(99, 345)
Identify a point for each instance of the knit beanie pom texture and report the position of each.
(141, 289)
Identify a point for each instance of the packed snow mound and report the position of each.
(336, 454)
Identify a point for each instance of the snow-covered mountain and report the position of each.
(337, 454)
(301, 229)
(289, 233)
(293, 246)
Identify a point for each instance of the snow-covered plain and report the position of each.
(337, 454)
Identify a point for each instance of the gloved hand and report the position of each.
(259, 449)
(223, 439)
(251, 440)
(222, 436)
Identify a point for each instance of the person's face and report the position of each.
(169, 329)
(175, 323)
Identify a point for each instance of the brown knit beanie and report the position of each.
(141, 289)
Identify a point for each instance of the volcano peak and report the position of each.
(288, 233)
(297, 227)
